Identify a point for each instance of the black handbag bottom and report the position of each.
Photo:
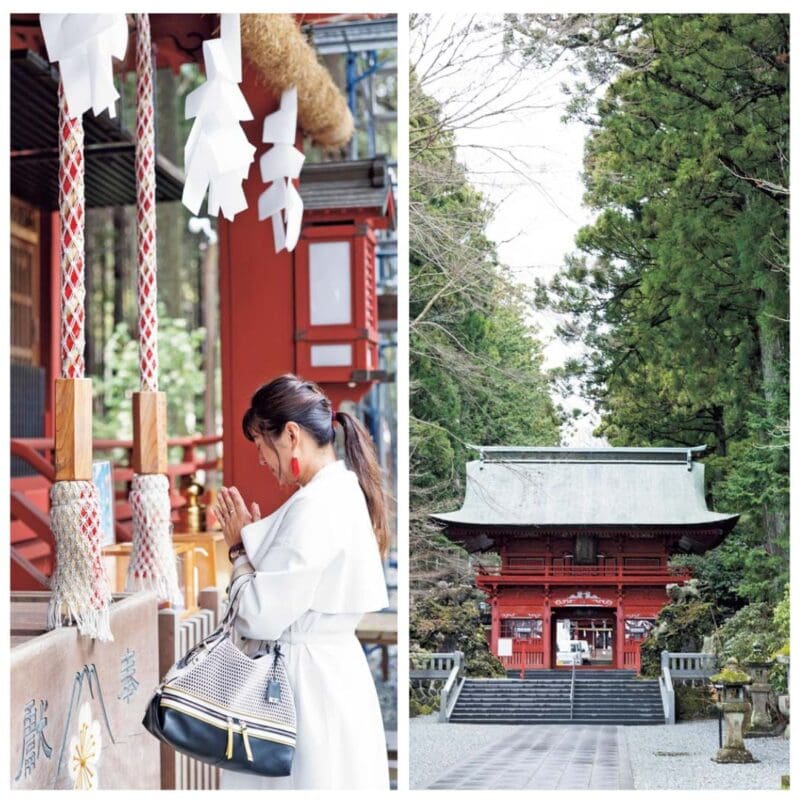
(207, 743)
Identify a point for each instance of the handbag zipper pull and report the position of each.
(246, 741)
(229, 750)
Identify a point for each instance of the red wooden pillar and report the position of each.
(547, 657)
(256, 314)
(619, 646)
(495, 632)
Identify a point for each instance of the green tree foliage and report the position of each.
(679, 628)
(447, 619)
(475, 364)
(475, 368)
(680, 287)
(180, 376)
(750, 626)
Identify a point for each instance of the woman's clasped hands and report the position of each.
(233, 514)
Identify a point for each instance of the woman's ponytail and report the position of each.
(288, 398)
(360, 452)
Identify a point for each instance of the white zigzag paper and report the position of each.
(83, 45)
(217, 154)
(279, 166)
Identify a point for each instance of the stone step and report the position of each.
(545, 674)
(555, 721)
(603, 698)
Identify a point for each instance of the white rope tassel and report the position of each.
(80, 589)
(153, 563)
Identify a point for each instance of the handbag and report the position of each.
(226, 708)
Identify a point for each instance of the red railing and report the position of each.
(527, 654)
(38, 453)
(631, 658)
(550, 570)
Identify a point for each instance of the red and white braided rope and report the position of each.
(71, 209)
(80, 586)
(146, 208)
(80, 589)
(152, 564)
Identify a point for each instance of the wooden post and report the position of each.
(547, 636)
(73, 440)
(619, 646)
(150, 433)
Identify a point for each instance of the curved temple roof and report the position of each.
(614, 486)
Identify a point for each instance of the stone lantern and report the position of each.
(730, 683)
(783, 699)
(758, 665)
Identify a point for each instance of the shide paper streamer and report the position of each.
(217, 154)
(83, 45)
(280, 165)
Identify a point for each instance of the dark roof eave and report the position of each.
(109, 149)
(473, 527)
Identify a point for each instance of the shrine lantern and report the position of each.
(336, 302)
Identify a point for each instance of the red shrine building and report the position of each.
(584, 538)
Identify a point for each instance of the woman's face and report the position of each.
(267, 456)
(276, 455)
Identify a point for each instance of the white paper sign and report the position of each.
(217, 154)
(505, 647)
(83, 45)
(281, 202)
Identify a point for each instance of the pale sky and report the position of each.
(528, 163)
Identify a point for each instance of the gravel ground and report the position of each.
(662, 756)
(434, 748)
(679, 757)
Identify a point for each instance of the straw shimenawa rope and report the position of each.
(283, 58)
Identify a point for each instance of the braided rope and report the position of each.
(71, 209)
(146, 208)
(153, 564)
(79, 585)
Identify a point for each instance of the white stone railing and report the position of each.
(680, 667)
(440, 666)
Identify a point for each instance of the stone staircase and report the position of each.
(602, 697)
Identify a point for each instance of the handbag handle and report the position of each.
(225, 627)
(234, 593)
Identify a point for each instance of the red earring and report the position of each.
(295, 467)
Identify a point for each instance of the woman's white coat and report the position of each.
(317, 571)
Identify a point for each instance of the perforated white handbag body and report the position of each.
(226, 708)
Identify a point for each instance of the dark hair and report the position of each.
(291, 399)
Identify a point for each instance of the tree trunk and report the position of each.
(774, 347)
(120, 263)
(210, 301)
(171, 219)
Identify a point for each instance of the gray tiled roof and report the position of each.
(346, 184)
(553, 486)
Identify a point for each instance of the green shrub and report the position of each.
(681, 628)
(446, 619)
(694, 702)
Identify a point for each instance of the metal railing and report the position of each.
(572, 691)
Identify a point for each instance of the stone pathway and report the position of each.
(546, 757)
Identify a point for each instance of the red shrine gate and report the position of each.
(584, 539)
